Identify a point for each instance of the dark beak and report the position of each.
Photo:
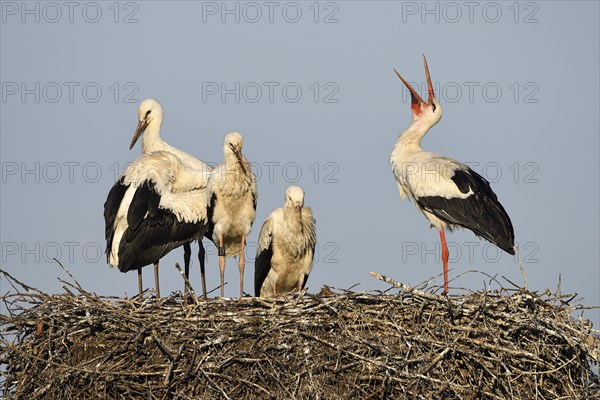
(238, 155)
(141, 127)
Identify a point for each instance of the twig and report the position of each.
(72, 277)
(407, 288)
(521, 268)
(502, 343)
(188, 285)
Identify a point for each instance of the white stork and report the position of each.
(446, 191)
(150, 117)
(232, 197)
(286, 247)
(153, 208)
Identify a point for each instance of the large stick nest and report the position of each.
(414, 344)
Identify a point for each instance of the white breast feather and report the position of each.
(234, 211)
(181, 190)
(427, 174)
(292, 241)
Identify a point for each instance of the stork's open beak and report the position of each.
(141, 127)
(430, 94)
(416, 100)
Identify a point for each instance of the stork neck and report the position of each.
(151, 140)
(413, 135)
(293, 218)
(230, 159)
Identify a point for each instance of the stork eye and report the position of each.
(148, 112)
(433, 106)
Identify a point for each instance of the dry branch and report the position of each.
(411, 345)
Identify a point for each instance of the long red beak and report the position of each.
(416, 100)
(430, 94)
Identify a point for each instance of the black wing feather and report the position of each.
(305, 280)
(209, 212)
(152, 231)
(154, 238)
(481, 212)
(262, 266)
(144, 204)
(111, 208)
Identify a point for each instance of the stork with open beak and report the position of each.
(446, 191)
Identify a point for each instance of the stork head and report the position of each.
(429, 111)
(294, 197)
(150, 110)
(233, 144)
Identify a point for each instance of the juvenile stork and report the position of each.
(286, 247)
(154, 207)
(232, 197)
(446, 191)
(150, 117)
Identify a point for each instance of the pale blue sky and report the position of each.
(318, 105)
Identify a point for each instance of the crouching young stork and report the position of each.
(154, 207)
(150, 118)
(286, 247)
(232, 197)
(446, 191)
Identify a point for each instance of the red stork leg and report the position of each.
(242, 264)
(156, 283)
(222, 265)
(444, 258)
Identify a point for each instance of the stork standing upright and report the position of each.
(446, 191)
(153, 208)
(150, 117)
(286, 247)
(232, 197)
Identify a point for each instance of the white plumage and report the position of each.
(232, 196)
(423, 174)
(150, 117)
(154, 207)
(286, 247)
(165, 174)
(446, 191)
